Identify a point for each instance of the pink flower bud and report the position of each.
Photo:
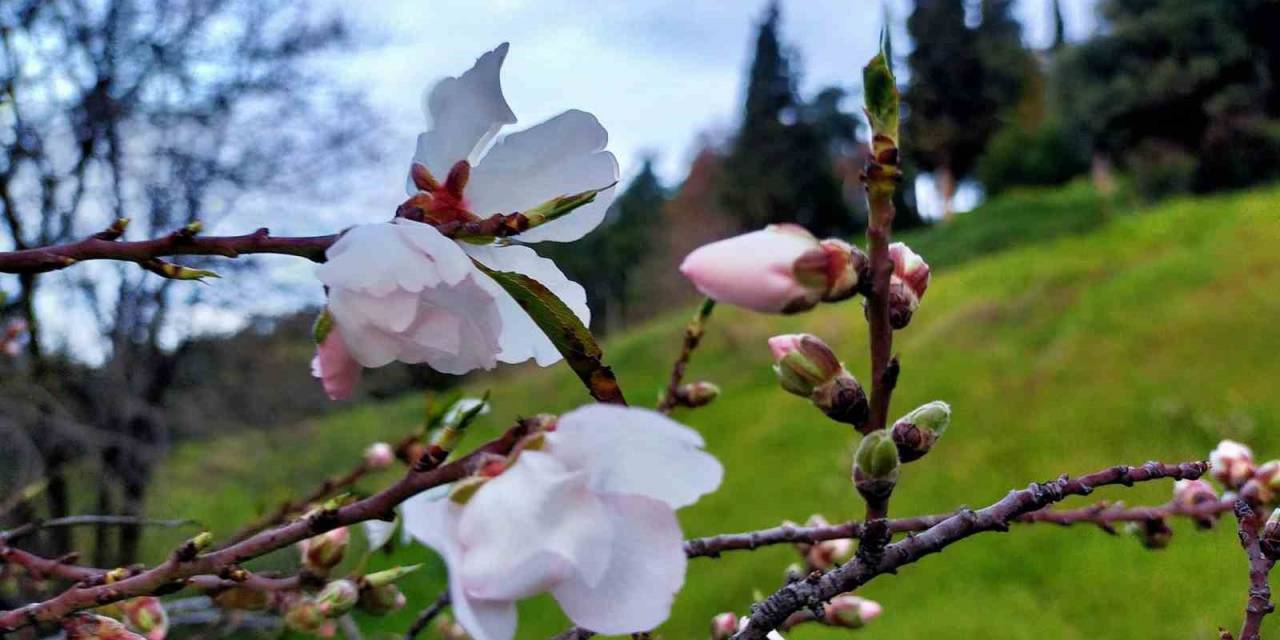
(85, 626)
(696, 394)
(334, 366)
(757, 270)
(337, 598)
(724, 625)
(382, 599)
(305, 615)
(851, 611)
(907, 285)
(802, 362)
(379, 455)
(1232, 464)
(323, 552)
(147, 616)
(1189, 494)
(827, 553)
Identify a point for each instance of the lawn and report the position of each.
(1151, 336)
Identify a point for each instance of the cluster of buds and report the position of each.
(375, 594)
(825, 554)
(379, 594)
(916, 432)
(807, 367)
(322, 553)
(779, 269)
(875, 466)
(907, 284)
(1233, 467)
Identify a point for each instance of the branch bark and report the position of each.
(1259, 602)
(186, 563)
(692, 337)
(774, 610)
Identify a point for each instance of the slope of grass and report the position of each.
(1150, 338)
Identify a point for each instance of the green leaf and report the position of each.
(881, 95)
(571, 338)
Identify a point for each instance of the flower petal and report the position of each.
(635, 451)
(646, 569)
(338, 372)
(521, 338)
(754, 270)
(463, 114)
(562, 156)
(530, 528)
(433, 522)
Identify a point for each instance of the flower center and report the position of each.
(437, 203)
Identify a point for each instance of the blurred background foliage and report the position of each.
(1101, 304)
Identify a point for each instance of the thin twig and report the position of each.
(1101, 515)
(1259, 602)
(329, 487)
(772, 612)
(692, 336)
(187, 562)
(427, 615)
(86, 520)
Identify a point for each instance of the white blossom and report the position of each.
(588, 517)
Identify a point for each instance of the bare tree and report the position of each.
(166, 113)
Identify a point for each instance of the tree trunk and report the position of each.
(946, 184)
(1101, 172)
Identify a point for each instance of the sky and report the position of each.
(657, 73)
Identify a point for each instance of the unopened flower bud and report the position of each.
(323, 552)
(916, 432)
(1153, 534)
(448, 629)
(724, 625)
(696, 394)
(802, 362)
(382, 599)
(304, 614)
(379, 455)
(907, 285)
(85, 626)
(1232, 464)
(1257, 492)
(850, 611)
(1190, 494)
(826, 553)
(147, 616)
(843, 400)
(337, 597)
(1269, 474)
(875, 465)
(779, 269)
(1270, 540)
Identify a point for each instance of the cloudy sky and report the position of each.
(658, 73)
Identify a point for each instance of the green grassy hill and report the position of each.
(1149, 338)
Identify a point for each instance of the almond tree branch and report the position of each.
(1101, 515)
(87, 520)
(428, 615)
(1259, 603)
(326, 489)
(692, 336)
(103, 246)
(772, 612)
(187, 562)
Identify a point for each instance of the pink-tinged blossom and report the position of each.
(756, 270)
(379, 455)
(333, 365)
(583, 517)
(323, 552)
(851, 611)
(724, 625)
(1231, 464)
(402, 291)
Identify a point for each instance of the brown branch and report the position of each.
(1259, 603)
(815, 590)
(692, 336)
(62, 568)
(187, 562)
(1101, 515)
(103, 247)
(427, 615)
